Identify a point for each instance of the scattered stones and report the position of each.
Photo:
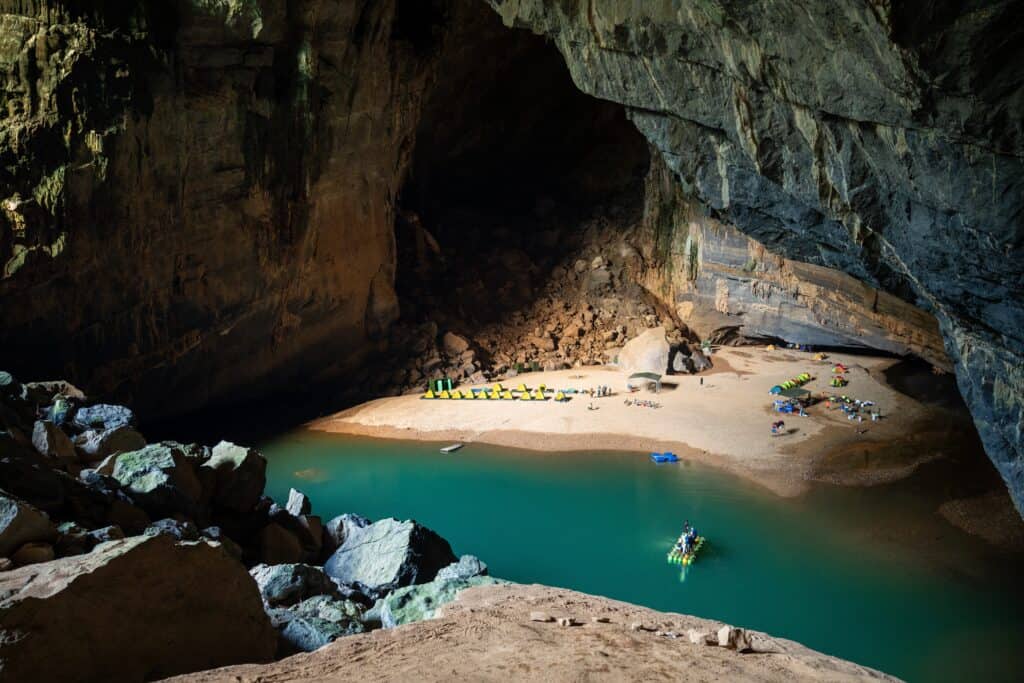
(389, 554)
(566, 621)
(733, 638)
(315, 622)
(702, 637)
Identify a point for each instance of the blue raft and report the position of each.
(664, 457)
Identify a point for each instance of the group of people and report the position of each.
(600, 391)
(688, 540)
(778, 427)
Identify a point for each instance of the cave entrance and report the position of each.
(513, 171)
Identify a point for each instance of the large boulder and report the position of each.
(647, 352)
(241, 474)
(416, 603)
(282, 585)
(159, 477)
(278, 545)
(97, 444)
(103, 416)
(389, 554)
(21, 523)
(139, 609)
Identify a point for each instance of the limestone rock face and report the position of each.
(389, 554)
(166, 608)
(211, 210)
(882, 140)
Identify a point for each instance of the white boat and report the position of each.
(451, 449)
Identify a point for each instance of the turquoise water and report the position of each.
(824, 569)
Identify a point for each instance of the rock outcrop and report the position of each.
(882, 140)
(139, 608)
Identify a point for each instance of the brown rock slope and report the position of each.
(488, 635)
(134, 609)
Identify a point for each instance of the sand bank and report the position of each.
(721, 418)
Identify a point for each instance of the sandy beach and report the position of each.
(721, 417)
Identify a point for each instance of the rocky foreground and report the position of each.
(127, 560)
(537, 633)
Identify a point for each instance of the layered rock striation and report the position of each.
(882, 140)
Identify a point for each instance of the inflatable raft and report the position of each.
(685, 559)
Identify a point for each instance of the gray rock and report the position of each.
(241, 474)
(389, 554)
(298, 503)
(316, 622)
(415, 603)
(180, 530)
(106, 534)
(733, 638)
(96, 445)
(283, 585)
(51, 441)
(159, 477)
(336, 530)
(467, 567)
(103, 416)
(20, 523)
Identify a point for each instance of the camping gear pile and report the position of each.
(794, 383)
(788, 406)
(853, 408)
(839, 381)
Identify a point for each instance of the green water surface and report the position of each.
(824, 569)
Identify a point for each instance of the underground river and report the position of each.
(872, 575)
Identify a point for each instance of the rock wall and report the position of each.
(715, 278)
(198, 196)
(880, 139)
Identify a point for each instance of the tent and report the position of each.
(522, 387)
(506, 395)
(498, 388)
(444, 394)
(539, 395)
(775, 390)
(429, 394)
(559, 396)
(649, 377)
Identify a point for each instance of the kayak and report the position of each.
(664, 457)
(685, 559)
